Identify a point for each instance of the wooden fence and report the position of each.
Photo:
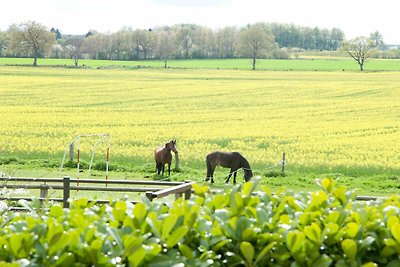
(152, 189)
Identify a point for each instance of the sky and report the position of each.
(353, 17)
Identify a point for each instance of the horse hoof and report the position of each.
(207, 179)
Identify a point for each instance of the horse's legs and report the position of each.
(229, 176)
(162, 169)
(158, 168)
(234, 177)
(169, 169)
(210, 171)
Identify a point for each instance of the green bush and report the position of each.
(235, 227)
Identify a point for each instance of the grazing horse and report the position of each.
(232, 160)
(163, 155)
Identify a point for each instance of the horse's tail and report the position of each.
(209, 167)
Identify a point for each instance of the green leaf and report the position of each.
(249, 187)
(200, 190)
(393, 263)
(392, 220)
(395, 229)
(322, 261)
(16, 243)
(328, 184)
(168, 225)
(313, 232)
(119, 211)
(136, 258)
(264, 252)
(352, 229)
(247, 250)
(349, 247)
(80, 203)
(56, 211)
(294, 241)
(370, 264)
(139, 211)
(186, 251)
(176, 235)
(248, 234)
(155, 224)
(66, 259)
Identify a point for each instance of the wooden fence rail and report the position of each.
(153, 189)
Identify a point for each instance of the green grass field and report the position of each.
(329, 123)
(309, 64)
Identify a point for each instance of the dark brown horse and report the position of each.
(162, 155)
(233, 160)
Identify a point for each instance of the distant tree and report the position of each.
(359, 49)
(93, 45)
(377, 39)
(336, 38)
(166, 46)
(3, 41)
(31, 36)
(74, 47)
(226, 39)
(254, 41)
(143, 43)
(56, 32)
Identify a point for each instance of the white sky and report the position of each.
(354, 17)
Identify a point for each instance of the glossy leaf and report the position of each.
(313, 232)
(349, 247)
(295, 241)
(395, 229)
(176, 235)
(247, 250)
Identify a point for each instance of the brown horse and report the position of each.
(233, 160)
(163, 155)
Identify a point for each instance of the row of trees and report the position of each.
(254, 41)
(180, 41)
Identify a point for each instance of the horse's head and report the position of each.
(247, 174)
(171, 145)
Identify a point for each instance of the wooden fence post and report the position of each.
(44, 190)
(149, 195)
(188, 193)
(66, 191)
(283, 164)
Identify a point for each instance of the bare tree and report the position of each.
(3, 41)
(359, 49)
(254, 41)
(74, 47)
(31, 36)
(166, 46)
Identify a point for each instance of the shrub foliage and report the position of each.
(235, 227)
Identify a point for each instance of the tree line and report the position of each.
(186, 41)
(182, 41)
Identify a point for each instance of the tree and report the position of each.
(74, 47)
(3, 41)
(254, 40)
(166, 46)
(225, 42)
(359, 49)
(31, 36)
(377, 39)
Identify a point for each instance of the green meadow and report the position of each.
(307, 64)
(329, 122)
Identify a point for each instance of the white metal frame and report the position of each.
(78, 139)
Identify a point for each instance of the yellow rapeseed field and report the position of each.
(318, 118)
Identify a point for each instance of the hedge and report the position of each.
(245, 225)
